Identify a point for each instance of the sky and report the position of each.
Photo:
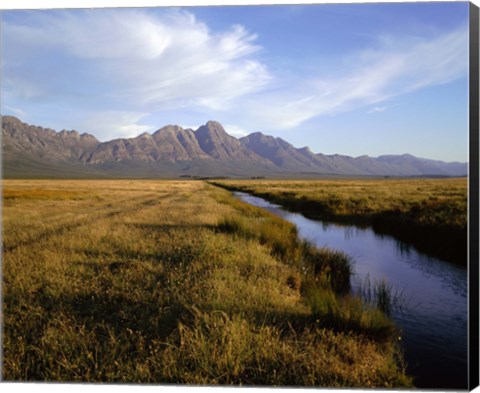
(354, 79)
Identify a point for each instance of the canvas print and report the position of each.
(262, 195)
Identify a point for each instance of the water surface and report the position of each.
(433, 318)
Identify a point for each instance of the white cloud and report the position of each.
(231, 129)
(400, 66)
(114, 124)
(143, 60)
(377, 109)
(6, 109)
(236, 131)
(142, 63)
(186, 127)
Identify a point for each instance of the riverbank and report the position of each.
(426, 297)
(178, 282)
(430, 214)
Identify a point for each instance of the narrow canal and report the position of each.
(433, 309)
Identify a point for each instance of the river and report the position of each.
(433, 312)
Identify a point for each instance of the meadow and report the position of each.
(430, 214)
(178, 282)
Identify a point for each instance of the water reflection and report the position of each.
(434, 324)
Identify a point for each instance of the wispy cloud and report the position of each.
(400, 66)
(377, 109)
(236, 130)
(129, 58)
(116, 67)
(114, 124)
(15, 111)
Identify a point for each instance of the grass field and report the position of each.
(431, 214)
(177, 282)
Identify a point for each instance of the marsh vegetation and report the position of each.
(430, 214)
(178, 282)
(425, 296)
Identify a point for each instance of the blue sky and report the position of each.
(347, 78)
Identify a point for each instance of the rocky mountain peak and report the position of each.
(86, 135)
(212, 129)
(169, 129)
(69, 134)
(144, 135)
(214, 125)
(305, 150)
(44, 142)
(259, 137)
(208, 151)
(217, 143)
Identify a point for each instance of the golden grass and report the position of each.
(429, 213)
(364, 197)
(135, 281)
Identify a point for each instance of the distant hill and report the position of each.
(32, 151)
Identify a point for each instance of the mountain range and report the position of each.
(171, 151)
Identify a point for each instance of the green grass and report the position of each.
(177, 282)
(431, 214)
(328, 267)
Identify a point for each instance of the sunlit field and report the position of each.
(429, 213)
(178, 282)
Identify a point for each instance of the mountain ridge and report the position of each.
(172, 151)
